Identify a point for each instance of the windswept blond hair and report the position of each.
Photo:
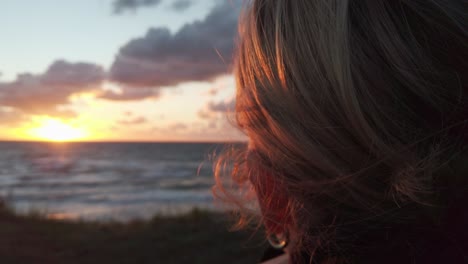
(355, 111)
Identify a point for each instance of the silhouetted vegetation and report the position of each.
(196, 237)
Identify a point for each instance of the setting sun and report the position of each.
(56, 130)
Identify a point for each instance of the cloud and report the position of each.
(203, 114)
(223, 106)
(66, 74)
(47, 93)
(219, 128)
(214, 110)
(212, 92)
(121, 6)
(133, 121)
(177, 127)
(181, 5)
(199, 51)
(129, 94)
(11, 117)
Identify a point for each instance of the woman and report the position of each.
(356, 113)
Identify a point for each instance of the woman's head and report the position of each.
(352, 108)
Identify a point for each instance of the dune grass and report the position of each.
(196, 237)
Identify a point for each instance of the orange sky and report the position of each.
(111, 72)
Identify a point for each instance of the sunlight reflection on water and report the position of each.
(106, 181)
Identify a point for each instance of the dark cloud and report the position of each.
(134, 121)
(223, 106)
(129, 94)
(199, 51)
(66, 74)
(46, 93)
(121, 6)
(181, 5)
(213, 110)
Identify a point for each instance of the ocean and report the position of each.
(106, 181)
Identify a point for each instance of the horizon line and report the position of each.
(123, 141)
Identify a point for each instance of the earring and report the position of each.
(278, 242)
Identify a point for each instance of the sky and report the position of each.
(117, 70)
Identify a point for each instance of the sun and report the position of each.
(57, 130)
